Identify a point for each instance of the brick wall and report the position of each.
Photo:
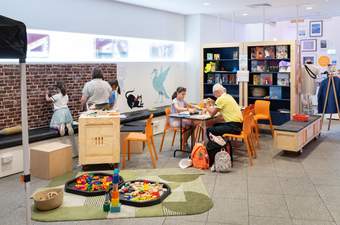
(39, 78)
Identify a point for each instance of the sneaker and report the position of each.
(212, 169)
(185, 163)
(70, 129)
(62, 129)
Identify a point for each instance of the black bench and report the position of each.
(44, 133)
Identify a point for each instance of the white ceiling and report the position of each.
(280, 10)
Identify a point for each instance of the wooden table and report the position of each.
(294, 135)
(195, 117)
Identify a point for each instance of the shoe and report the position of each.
(70, 130)
(212, 169)
(62, 129)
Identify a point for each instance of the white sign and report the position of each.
(243, 76)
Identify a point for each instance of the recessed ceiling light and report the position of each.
(206, 3)
(245, 14)
(309, 8)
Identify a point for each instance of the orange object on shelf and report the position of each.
(301, 117)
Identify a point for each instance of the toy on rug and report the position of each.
(48, 199)
(115, 205)
(91, 184)
(141, 193)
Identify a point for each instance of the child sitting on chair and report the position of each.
(179, 105)
(61, 114)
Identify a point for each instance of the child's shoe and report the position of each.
(70, 129)
(62, 129)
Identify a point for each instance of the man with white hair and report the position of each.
(226, 105)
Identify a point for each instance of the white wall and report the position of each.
(105, 17)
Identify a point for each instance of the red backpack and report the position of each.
(200, 157)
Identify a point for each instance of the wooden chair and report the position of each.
(146, 137)
(262, 112)
(246, 137)
(168, 127)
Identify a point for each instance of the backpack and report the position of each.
(222, 161)
(215, 145)
(200, 157)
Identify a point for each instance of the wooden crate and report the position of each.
(296, 140)
(99, 139)
(51, 160)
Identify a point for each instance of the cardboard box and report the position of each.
(51, 160)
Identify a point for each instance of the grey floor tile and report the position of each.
(230, 211)
(329, 193)
(229, 187)
(264, 185)
(260, 170)
(267, 205)
(182, 221)
(297, 186)
(256, 220)
(325, 179)
(312, 222)
(309, 208)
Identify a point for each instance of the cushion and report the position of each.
(11, 130)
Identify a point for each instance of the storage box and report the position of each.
(99, 139)
(51, 160)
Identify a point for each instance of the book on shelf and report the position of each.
(259, 52)
(287, 111)
(235, 55)
(217, 56)
(217, 78)
(252, 53)
(257, 66)
(224, 78)
(210, 78)
(232, 79)
(275, 92)
(282, 52)
(209, 56)
(256, 79)
(272, 66)
(283, 79)
(267, 79)
(269, 52)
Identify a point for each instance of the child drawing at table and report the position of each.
(180, 105)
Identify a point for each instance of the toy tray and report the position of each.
(124, 201)
(301, 117)
(69, 186)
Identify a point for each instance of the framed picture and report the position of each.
(315, 28)
(323, 44)
(306, 58)
(308, 45)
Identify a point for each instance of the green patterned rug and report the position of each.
(188, 197)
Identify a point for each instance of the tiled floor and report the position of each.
(280, 189)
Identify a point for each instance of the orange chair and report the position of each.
(146, 137)
(168, 127)
(262, 112)
(246, 137)
(255, 135)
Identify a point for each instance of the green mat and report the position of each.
(188, 197)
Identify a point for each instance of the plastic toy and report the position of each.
(141, 193)
(91, 184)
(115, 205)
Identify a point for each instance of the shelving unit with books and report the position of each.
(220, 65)
(272, 76)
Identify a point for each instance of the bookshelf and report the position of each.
(220, 65)
(272, 76)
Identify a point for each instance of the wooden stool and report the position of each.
(51, 160)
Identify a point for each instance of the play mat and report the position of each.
(188, 197)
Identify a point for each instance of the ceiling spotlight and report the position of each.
(309, 8)
(206, 3)
(245, 14)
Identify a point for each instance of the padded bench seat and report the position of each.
(44, 133)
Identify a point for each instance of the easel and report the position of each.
(330, 81)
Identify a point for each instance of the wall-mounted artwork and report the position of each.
(308, 45)
(38, 45)
(315, 28)
(323, 44)
(162, 51)
(158, 79)
(134, 101)
(109, 48)
(308, 58)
